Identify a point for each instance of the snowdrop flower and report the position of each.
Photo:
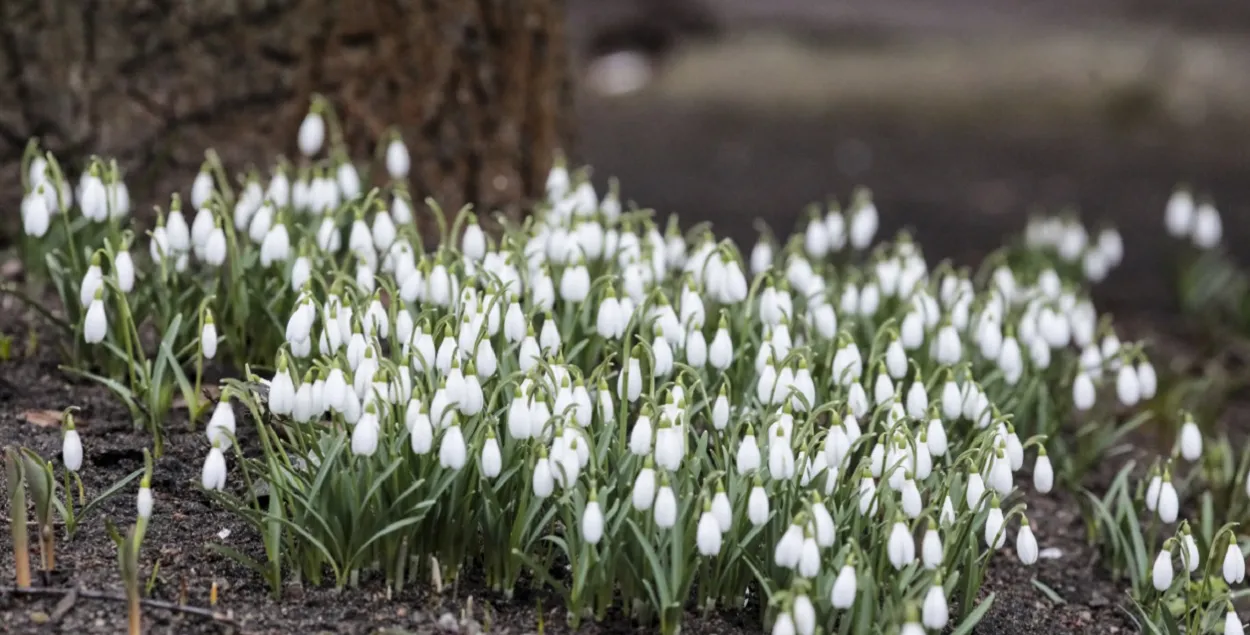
(1190, 556)
(543, 481)
(1168, 503)
(784, 624)
(901, 548)
(936, 437)
(863, 220)
(1190, 441)
(1207, 227)
(281, 390)
(1083, 391)
(1026, 543)
(36, 215)
(665, 505)
(1234, 567)
(451, 451)
(845, 586)
(397, 160)
(95, 323)
(946, 517)
(144, 502)
(312, 131)
(213, 476)
(935, 612)
(629, 382)
(1043, 474)
(1126, 386)
(931, 553)
(708, 535)
(93, 198)
(1179, 214)
(867, 494)
(720, 353)
(592, 520)
(215, 246)
(911, 502)
(1232, 623)
(758, 509)
(948, 350)
(995, 534)
(804, 615)
(1161, 573)
(974, 491)
(952, 400)
(790, 548)
(365, 433)
(71, 446)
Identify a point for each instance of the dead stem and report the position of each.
(209, 614)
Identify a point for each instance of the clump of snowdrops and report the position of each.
(631, 416)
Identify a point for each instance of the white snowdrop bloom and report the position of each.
(990, 337)
(71, 448)
(1234, 565)
(124, 269)
(543, 481)
(784, 625)
(451, 450)
(592, 521)
(809, 558)
(917, 399)
(1147, 381)
(816, 237)
(696, 349)
(845, 586)
(995, 534)
(863, 221)
(276, 247)
(748, 456)
(1083, 393)
(1168, 503)
(1190, 441)
(757, 506)
(952, 401)
(177, 231)
(665, 506)
(867, 495)
(910, 502)
(935, 612)
(281, 390)
(93, 199)
(931, 552)
(761, 257)
(398, 161)
(144, 502)
(1190, 556)
(948, 350)
(36, 214)
(882, 390)
(1011, 361)
(1161, 572)
(790, 548)
(1043, 473)
(214, 246)
(1126, 387)
(708, 535)
(1179, 214)
(781, 462)
(95, 323)
(382, 232)
(221, 425)
(213, 476)
(365, 433)
(328, 237)
(1026, 543)
(936, 437)
(629, 381)
(1232, 624)
(974, 491)
(946, 517)
(1208, 229)
(1153, 488)
(901, 547)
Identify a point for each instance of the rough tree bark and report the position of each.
(479, 87)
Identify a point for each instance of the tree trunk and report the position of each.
(479, 88)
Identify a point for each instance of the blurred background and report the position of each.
(962, 116)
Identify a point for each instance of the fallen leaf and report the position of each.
(11, 269)
(43, 418)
